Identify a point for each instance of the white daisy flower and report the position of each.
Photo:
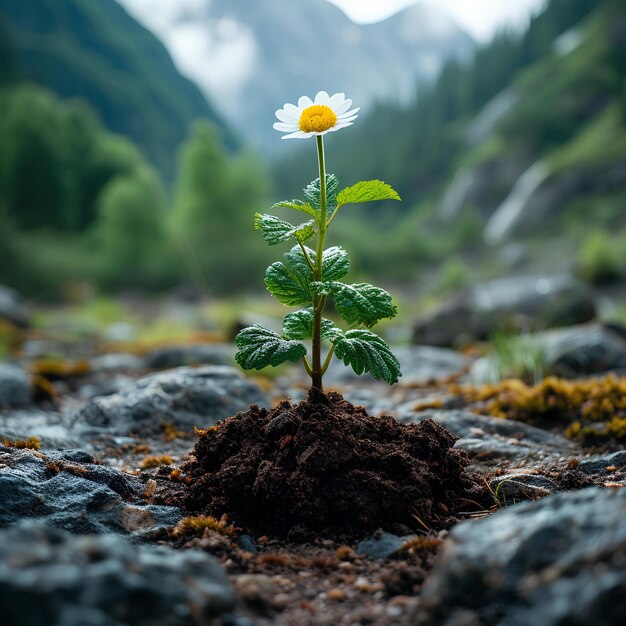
(324, 115)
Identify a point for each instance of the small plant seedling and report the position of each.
(309, 277)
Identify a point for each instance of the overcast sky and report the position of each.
(480, 17)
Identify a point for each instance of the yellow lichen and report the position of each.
(432, 403)
(170, 432)
(587, 409)
(54, 369)
(44, 389)
(156, 461)
(196, 526)
(421, 544)
(32, 443)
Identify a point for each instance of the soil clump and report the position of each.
(326, 468)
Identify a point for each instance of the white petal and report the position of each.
(306, 102)
(322, 98)
(348, 113)
(350, 118)
(292, 109)
(285, 128)
(343, 107)
(336, 100)
(289, 118)
(297, 135)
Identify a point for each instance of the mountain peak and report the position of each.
(280, 50)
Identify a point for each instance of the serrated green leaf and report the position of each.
(366, 191)
(275, 230)
(335, 263)
(297, 205)
(367, 352)
(288, 281)
(259, 347)
(358, 304)
(299, 325)
(313, 193)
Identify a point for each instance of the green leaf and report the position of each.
(297, 205)
(358, 304)
(259, 347)
(335, 263)
(313, 193)
(366, 191)
(299, 325)
(367, 352)
(275, 230)
(288, 281)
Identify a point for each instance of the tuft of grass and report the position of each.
(521, 356)
(602, 257)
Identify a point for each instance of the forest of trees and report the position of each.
(80, 203)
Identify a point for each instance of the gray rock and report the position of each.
(419, 365)
(487, 438)
(12, 308)
(560, 560)
(583, 350)
(15, 387)
(49, 427)
(81, 497)
(597, 464)
(185, 397)
(382, 545)
(169, 357)
(518, 486)
(114, 362)
(50, 577)
(511, 303)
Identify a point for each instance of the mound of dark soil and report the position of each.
(325, 467)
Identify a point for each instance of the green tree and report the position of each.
(130, 231)
(54, 160)
(215, 201)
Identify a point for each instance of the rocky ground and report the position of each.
(92, 532)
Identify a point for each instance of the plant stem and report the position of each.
(329, 356)
(319, 301)
(307, 258)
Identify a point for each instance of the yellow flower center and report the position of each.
(317, 119)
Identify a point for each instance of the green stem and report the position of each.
(332, 217)
(307, 258)
(329, 356)
(307, 367)
(319, 302)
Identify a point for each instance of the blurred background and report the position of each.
(137, 143)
